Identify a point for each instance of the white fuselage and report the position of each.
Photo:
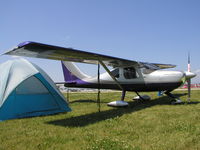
(138, 79)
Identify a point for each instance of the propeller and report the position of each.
(189, 79)
(189, 75)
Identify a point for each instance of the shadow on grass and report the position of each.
(86, 119)
(83, 101)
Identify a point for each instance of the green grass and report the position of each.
(155, 125)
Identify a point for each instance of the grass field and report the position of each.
(155, 125)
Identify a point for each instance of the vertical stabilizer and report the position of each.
(72, 72)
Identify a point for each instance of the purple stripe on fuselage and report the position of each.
(78, 82)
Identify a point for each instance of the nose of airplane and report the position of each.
(189, 75)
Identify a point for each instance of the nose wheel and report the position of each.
(176, 100)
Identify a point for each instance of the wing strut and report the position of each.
(98, 95)
(106, 68)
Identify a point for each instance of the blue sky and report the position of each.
(160, 31)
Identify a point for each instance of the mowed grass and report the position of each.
(155, 125)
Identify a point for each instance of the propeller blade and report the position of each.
(189, 67)
(189, 80)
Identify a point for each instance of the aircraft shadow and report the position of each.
(86, 119)
(83, 101)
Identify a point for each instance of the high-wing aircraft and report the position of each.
(126, 75)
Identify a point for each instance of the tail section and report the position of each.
(72, 72)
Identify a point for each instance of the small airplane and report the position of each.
(126, 75)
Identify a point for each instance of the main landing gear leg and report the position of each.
(175, 100)
(123, 95)
(140, 96)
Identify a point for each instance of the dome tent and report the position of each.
(26, 91)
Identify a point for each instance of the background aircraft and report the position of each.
(126, 75)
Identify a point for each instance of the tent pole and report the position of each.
(68, 94)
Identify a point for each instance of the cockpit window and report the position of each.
(130, 73)
(115, 73)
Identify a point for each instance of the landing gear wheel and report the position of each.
(177, 101)
(173, 102)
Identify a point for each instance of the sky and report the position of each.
(159, 31)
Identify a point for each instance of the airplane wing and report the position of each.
(39, 50)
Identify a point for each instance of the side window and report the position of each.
(130, 73)
(115, 73)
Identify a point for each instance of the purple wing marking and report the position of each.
(24, 43)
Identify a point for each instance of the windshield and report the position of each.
(146, 71)
(115, 73)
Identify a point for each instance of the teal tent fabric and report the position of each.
(35, 95)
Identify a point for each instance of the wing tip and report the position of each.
(24, 43)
